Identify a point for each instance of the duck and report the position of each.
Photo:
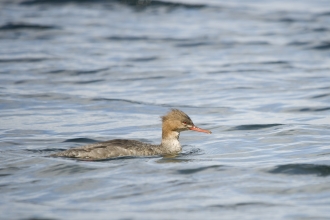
(174, 122)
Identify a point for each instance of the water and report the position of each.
(256, 73)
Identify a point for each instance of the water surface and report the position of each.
(256, 73)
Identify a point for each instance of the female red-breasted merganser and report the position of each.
(173, 123)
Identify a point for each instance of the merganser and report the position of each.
(173, 123)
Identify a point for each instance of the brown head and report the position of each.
(177, 120)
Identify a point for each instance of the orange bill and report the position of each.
(194, 128)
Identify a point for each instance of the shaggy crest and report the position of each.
(176, 114)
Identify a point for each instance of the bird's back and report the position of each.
(111, 149)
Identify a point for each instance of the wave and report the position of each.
(125, 2)
(144, 59)
(200, 169)
(242, 204)
(254, 126)
(320, 96)
(18, 60)
(302, 169)
(194, 44)
(18, 26)
(145, 38)
(322, 46)
(308, 109)
(154, 104)
(81, 140)
(78, 72)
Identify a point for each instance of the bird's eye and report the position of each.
(184, 123)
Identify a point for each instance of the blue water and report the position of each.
(256, 73)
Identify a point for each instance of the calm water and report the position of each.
(256, 73)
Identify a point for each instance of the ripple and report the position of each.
(77, 72)
(254, 126)
(23, 59)
(298, 43)
(167, 4)
(321, 29)
(325, 13)
(87, 82)
(18, 26)
(40, 218)
(143, 59)
(243, 204)
(320, 96)
(120, 100)
(144, 78)
(126, 2)
(302, 169)
(155, 104)
(64, 169)
(275, 62)
(36, 2)
(322, 46)
(46, 150)
(190, 151)
(200, 169)
(145, 38)
(196, 44)
(81, 140)
(308, 109)
(128, 38)
(8, 171)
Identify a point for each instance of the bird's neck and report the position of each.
(170, 140)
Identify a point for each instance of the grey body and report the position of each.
(173, 123)
(116, 148)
